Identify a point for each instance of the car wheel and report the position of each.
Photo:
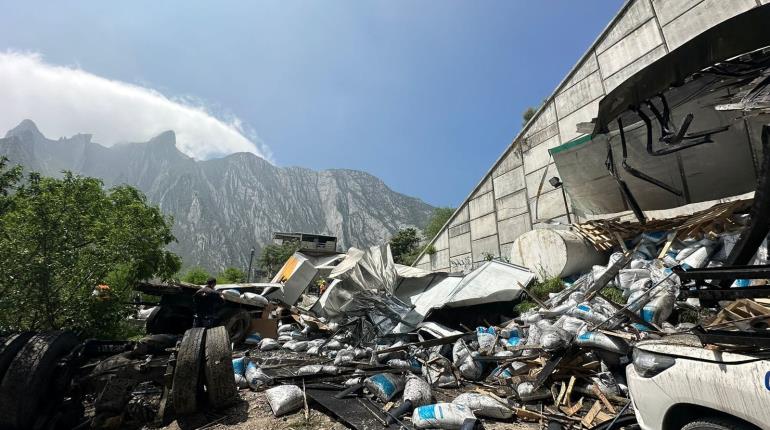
(237, 324)
(220, 384)
(168, 320)
(716, 423)
(184, 389)
(26, 392)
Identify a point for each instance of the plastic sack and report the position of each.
(240, 381)
(659, 308)
(239, 365)
(504, 354)
(510, 331)
(559, 310)
(585, 313)
(399, 364)
(361, 353)
(484, 406)
(255, 299)
(286, 328)
(697, 259)
(384, 386)
(256, 378)
(315, 343)
(252, 339)
(501, 373)
(600, 340)
(312, 351)
(487, 336)
(296, 345)
(344, 356)
(598, 271)
(316, 369)
(553, 338)
(284, 338)
(285, 399)
(463, 360)
(417, 390)
(690, 247)
(231, 293)
(298, 335)
(268, 344)
(530, 317)
(352, 381)
(332, 345)
(570, 324)
(527, 392)
(626, 277)
(441, 415)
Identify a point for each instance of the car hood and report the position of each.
(690, 347)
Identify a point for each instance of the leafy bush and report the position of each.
(60, 238)
(196, 275)
(231, 275)
(272, 256)
(541, 290)
(405, 246)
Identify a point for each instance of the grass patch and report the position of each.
(524, 306)
(614, 294)
(540, 290)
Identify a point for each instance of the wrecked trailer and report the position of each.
(147, 382)
(175, 311)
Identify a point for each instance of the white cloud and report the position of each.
(64, 101)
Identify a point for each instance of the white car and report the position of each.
(675, 383)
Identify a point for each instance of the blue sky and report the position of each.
(424, 94)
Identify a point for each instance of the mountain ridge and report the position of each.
(224, 206)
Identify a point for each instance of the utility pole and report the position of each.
(251, 259)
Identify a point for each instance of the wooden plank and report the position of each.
(570, 385)
(588, 419)
(572, 410)
(562, 392)
(602, 417)
(596, 390)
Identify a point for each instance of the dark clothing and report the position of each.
(207, 301)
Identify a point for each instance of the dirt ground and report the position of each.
(253, 412)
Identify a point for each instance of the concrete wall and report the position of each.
(515, 196)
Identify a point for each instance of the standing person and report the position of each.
(207, 300)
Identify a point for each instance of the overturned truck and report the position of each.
(47, 378)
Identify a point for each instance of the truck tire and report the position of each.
(168, 320)
(717, 423)
(220, 383)
(10, 348)
(186, 381)
(237, 323)
(25, 391)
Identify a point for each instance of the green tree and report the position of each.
(196, 275)
(272, 256)
(59, 238)
(231, 275)
(405, 246)
(437, 219)
(8, 180)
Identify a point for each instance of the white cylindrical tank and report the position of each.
(555, 253)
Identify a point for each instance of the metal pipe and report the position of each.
(251, 259)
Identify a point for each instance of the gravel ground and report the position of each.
(253, 412)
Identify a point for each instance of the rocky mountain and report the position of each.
(222, 207)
